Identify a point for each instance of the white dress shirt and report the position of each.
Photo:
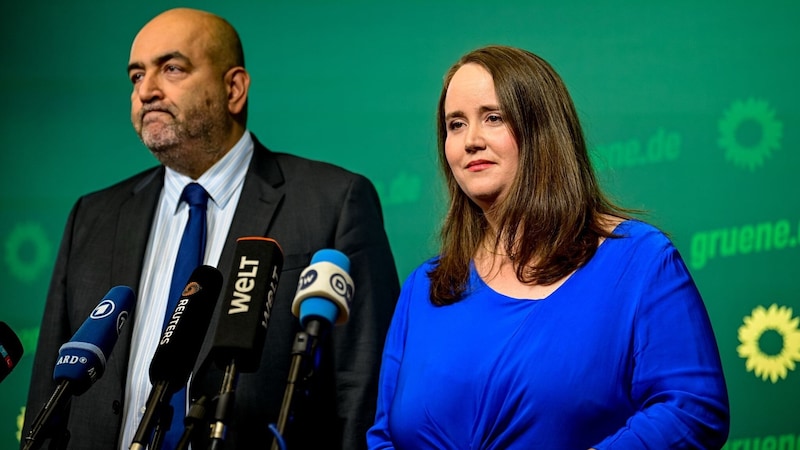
(223, 182)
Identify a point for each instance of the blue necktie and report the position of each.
(190, 256)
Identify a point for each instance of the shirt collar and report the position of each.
(221, 180)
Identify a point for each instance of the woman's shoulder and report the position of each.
(422, 270)
(637, 233)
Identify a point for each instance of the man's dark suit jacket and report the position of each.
(305, 206)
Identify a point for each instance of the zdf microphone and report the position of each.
(325, 289)
(82, 360)
(10, 350)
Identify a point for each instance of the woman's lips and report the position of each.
(476, 166)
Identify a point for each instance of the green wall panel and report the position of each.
(691, 110)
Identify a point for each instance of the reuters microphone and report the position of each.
(10, 350)
(324, 294)
(178, 349)
(242, 326)
(82, 360)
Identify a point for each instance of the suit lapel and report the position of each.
(130, 242)
(261, 195)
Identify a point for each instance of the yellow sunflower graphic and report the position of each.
(779, 320)
(20, 420)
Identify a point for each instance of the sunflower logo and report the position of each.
(20, 421)
(778, 320)
(403, 189)
(28, 251)
(740, 115)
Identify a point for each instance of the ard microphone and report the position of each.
(179, 346)
(82, 360)
(325, 289)
(10, 350)
(242, 327)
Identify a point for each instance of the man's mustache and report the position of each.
(156, 107)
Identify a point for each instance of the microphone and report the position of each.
(179, 347)
(10, 350)
(325, 290)
(242, 326)
(324, 294)
(82, 360)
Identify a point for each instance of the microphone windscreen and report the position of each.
(242, 327)
(182, 337)
(82, 360)
(10, 350)
(325, 289)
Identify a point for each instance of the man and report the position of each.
(189, 107)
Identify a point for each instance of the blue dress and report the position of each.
(621, 355)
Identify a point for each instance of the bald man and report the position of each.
(189, 107)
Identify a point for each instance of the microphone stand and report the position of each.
(161, 411)
(224, 405)
(305, 342)
(163, 424)
(195, 415)
(54, 405)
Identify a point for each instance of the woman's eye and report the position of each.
(454, 125)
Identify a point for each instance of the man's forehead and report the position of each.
(152, 45)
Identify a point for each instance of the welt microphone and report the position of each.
(324, 294)
(82, 360)
(178, 348)
(242, 326)
(10, 350)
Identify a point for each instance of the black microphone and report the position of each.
(179, 347)
(324, 294)
(10, 350)
(242, 327)
(82, 360)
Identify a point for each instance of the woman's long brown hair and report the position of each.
(550, 219)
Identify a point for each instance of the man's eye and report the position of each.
(136, 77)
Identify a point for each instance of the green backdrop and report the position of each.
(691, 110)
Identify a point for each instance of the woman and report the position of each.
(550, 319)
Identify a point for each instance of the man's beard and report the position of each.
(160, 136)
(175, 142)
